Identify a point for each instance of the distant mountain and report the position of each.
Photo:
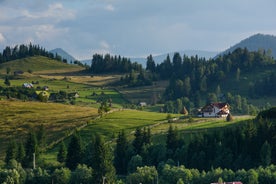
(256, 42)
(86, 62)
(63, 54)
(160, 58)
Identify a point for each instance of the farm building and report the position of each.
(215, 110)
(27, 85)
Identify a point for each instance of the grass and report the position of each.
(18, 117)
(146, 94)
(127, 120)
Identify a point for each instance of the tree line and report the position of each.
(112, 64)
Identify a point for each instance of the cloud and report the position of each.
(104, 45)
(109, 7)
(2, 38)
(55, 11)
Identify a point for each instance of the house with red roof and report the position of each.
(217, 109)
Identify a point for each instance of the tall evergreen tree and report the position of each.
(104, 171)
(138, 140)
(61, 157)
(150, 64)
(31, 149)
(146, 135)
(74, 152)
(20, 152)
(11, 152)
(120, 159)
(172, 139)
(265, 154)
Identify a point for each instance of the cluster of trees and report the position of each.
(238, 104)
(134, 80)
(265, 86)
(23, 51)
(24, 153)
(195, 77)
(232, 150)
(18, 92)
(246, 146)
(113, 64)
(180, 174)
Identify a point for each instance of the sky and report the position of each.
(133, 28)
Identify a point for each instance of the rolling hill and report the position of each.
(254, 43)
(38, 64)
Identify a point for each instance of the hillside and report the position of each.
(38, 64)
(256, 42)
(17, 118)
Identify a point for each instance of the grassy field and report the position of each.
(18, 117)
(147, 94)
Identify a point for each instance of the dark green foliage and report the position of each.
(138, 140)
(20, 152)
(62, 153)
(74, 152)
(11, 151)
(135, 161)
(102, 162)
(172, 141)
(265, 154)
(267, 114)
(41, 137)
(144, 174)
(17, 92)
(150, 64)
(31, 150)
(120, 160)
(82, 174)
(61, 176)
(195, 77)
(113, 64)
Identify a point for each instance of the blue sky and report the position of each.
(133, 28)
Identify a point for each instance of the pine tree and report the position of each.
(61, 157)
(138, 141)
(104, 171)
(120, 159)
(74, 152)
(265, 154)
(146, 136)
(20, 152)
(41, 137)
(172, 139)
(11, 152)
(31, 149)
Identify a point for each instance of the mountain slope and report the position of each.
(63, 54)
(256, 42)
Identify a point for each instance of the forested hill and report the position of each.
(23, 51)
(256, 42)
